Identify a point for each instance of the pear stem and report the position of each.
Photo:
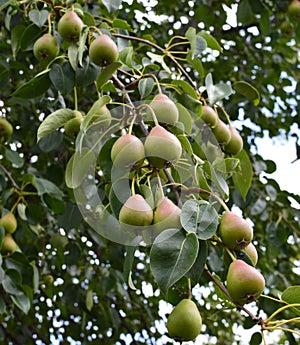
(132, 123)
(232, 257)
(159, 183)
(132, 186)
(189, 288)
(152, 112)
(49, 23)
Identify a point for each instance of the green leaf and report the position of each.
(198, 44)
(127, 268)
(106, 74)
(291, 295)
(126, 56)
(196, 271)
(62, 77)
(196, 64)
(4, 3)
(16, 34)
(159, 59)
(242, 179)
(22, 302)
(187, 88)
(39, 18)
(44, 186)
(172, 255)
(145, 87)
(217, 178)
(54, 121)
(29, 36)
(248, 91)
(112, 5)
(15, 158)
(78, 167)
(35, 87)
(185, 118)
(212, 43)
(185, 143)
(245, 14)
(216, 92)
(200, 217)
(121, 24)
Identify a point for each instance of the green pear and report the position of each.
(103, 51)
(235, 144)
(46, 48)
(162, 147)
(165, 109)
(287, 28)
(235, 232)
(72, 126)
(69, 26)
(166, 215)
(9, 222)
(222, 132)
(244, 282)
(128, 152)
(136, 211)
(293, 9)
(6, 129)
(251, 251)
(209, 116)
(185, 322)
(9, 246)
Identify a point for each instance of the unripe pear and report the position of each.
(128, 152)
(251, 251)
(209, 116)
(221, 132)
(46, 48)
(72, 127)
(6, 129)
(287, 28)
(162, 147)
(293, 9)
(167, 215)
(103, 51)
(244, 282)
(235, 232)
(69, 26)
(9, 222)
(9, 245)
(136, 211)
(235, 143)
(165, 109)
(185, 322)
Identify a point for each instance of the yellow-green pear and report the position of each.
(69, 26)
(9, 246)
(185, 322)
(165, 109)
(9, 222)
(136, 211)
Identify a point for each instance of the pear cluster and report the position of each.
(9, 223)
(227, 136)
(102, 50)
(244, 282)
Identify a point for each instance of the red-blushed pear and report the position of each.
(251, 251)
(167, 215)
(6, 129)
(162, 147)
(235, 144)
(235, 232)
(103, 51)
(69, 26)
(46, 48)
(165, 109)
(9, 222)
(293, 9)
(128, 152)
(209, 116)
(9, 246)
(72, 127)
(221, 132)
(244, 282)
(184, 322)
(136, 211)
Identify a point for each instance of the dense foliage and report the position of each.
(73, 279)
